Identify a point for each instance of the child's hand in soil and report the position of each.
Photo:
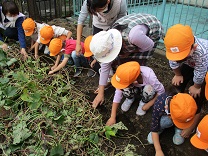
(4, 47)
(177, 80)
(186, 132)
(52, 68)
(159, 153)
(50, 72)
(36, 56)
(111, 121)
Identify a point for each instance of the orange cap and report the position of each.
(55, 46)
(206, 87)
(182, 110)
(178, 41)
(200, 139)
(46, 34)
(28, 25)
(125, 74)
(62, 37)
(87, 41)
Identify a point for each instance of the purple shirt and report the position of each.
(148, 77)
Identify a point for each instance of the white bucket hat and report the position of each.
(106, 45)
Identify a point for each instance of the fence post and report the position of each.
(162, 11)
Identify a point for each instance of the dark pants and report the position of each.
(188, 74)
(96, 30)
(11, 33)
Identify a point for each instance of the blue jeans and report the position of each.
(79, 61)
(165, 122)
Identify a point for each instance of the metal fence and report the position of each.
(169, 12)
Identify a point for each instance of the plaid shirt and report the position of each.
(198, 60)
(155, 33)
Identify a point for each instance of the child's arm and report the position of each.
(36, 49)
(69, 34)
(150, 103)
(57, 62)
(156, 141)
(60, 66)
(112, 119)
(92, 64)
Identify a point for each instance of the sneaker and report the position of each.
(91, 73)
(140, 111)
(127, 104)
(149, 137)
(77, 73)
(177, 139)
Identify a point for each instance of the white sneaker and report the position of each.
(140, 111)
(177, 138)
(149, 137)
(127, 104)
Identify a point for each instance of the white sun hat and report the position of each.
(106, 45)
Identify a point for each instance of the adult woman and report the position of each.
(11, 25)
(104, 12)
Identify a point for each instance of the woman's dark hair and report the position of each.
(92, 5)
(10, 7)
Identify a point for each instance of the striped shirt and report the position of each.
(198, 60)
(155, 32)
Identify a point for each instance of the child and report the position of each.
(88, 54)
(128, 76)
(179, 110)
(32, 29)
(47, 33)
(11, 25)
(200, 139)
(66, 48)
(188, 57)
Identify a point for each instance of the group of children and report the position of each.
(125, 48)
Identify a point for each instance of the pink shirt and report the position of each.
(71, 46)
(149, 77)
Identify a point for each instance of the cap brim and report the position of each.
(116, 84)
(183, 125)
(117, 40)
(29, 33)
(87, 54)
(178, 55)
(44, 41)
(198, 143)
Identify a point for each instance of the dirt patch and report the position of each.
(138, 127)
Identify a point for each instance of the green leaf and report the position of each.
(34, 105)
(10, 91)
(59, 119)
(20, 76)
(57, 151)
(25, 96)
(94, 138)
(119, 126)
(11, 61)
(4, 80)
(20, 132)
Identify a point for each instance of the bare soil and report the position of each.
(138, 127)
